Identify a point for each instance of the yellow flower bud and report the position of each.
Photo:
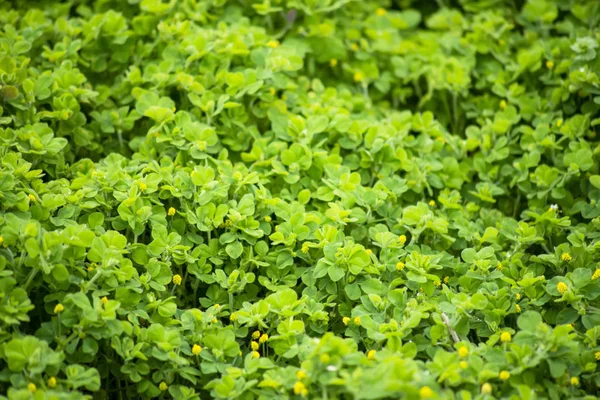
(463, 351)
(263, 338)
(486, 388)
(596, 274)
(425, 392)
(273, 44)
(575, 381)
(346, 320)
(300, 374)
(104, 300)
(399, 265)
(59, 308)
(463, 364)
(562, 287)
(52, 382)
(566, 257)
(143, 187)
(371, 354)
(504, 375)
(196, 349)
(503, 104)
(163, 386)
(171, 211)
(255, 354)
(380, 12)
(31, 198)
(356, 320)
(254, 345)
(31, 387)
(505, 337)
(333, 62)
(177, 279)
(402, 239)
(549, 64)
(300, 389)
(359, 76)
(255, 335)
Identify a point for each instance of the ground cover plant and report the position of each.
(286, 199)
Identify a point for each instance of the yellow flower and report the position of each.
(196, 349)
(356, 320)
(504, 375)
(1, 240)
(518, 296)
(233, 317)
(463, 351)
(380, 12)
(505, 337)
(425, 392)
(566, 257)
(254, 345)
(52, 382)
(31, 387)
(31, 198)
(300, 374)
(499, 267)
(446, 279)
(171, 211)
(437, 283)
(561, 287)
(324, 358)
(402, 239)
(596, 274)
(503, 104)
(371, 354)
(559, 123)
(463, 364)
(574, 381)
(263, 338)
(369, 251)
(255, 354)
(273, 44)
(354, 47)
(104, 300)
(399, 265)
(305, 247)
(333, 62)
(597, 355)
(267, 218)
(486, 388)
(300, 389)
(358, 76)
(272, 91)
(255, 335)
(517, 308)
(143, 187)
(549, 64)
(59, 308)
(177, 279)
(432, 203)
(163, 386)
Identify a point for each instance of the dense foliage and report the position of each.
(330, 199)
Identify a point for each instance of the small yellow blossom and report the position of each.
(59, 308)
(566, 257)
(575, 381)
(505, 337)
(596, 274)
(463, 351)
(503, 104)
(354, 47)
(31, 387)
(371, 354)
(90, 268)
(300, 388)
(518, 296)
(305, 248)
(486, 388)
(559, 123)
(267, 218)
(254, 345)
(196, 349)
(272, 91)
(561, 287)
(346, 320)
(437, 283)
(177, 279)
(255, 354)
(504, 375)
(31, 198)
(1, 240)
(233, 317)
(255, 335)
(425, 392)
(143, 187)
(163, 386)
(549, 64)
(333, 62)
(52, 382)
(446, 279)
(499, 267)
(356, 320)
(369, 251)
(273, 44)
(263, 338)
(432, 203)
(301, 374)
(399, 265)
(324, 358)
(597, 355)
(402, 239)
(463, 364)
(359, 76)
(380, 12)
(104, 300)
(517, 308)
(171, 211)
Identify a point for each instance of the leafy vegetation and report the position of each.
(329, 199)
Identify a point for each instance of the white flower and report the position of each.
(331, 368)
(554, 207)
